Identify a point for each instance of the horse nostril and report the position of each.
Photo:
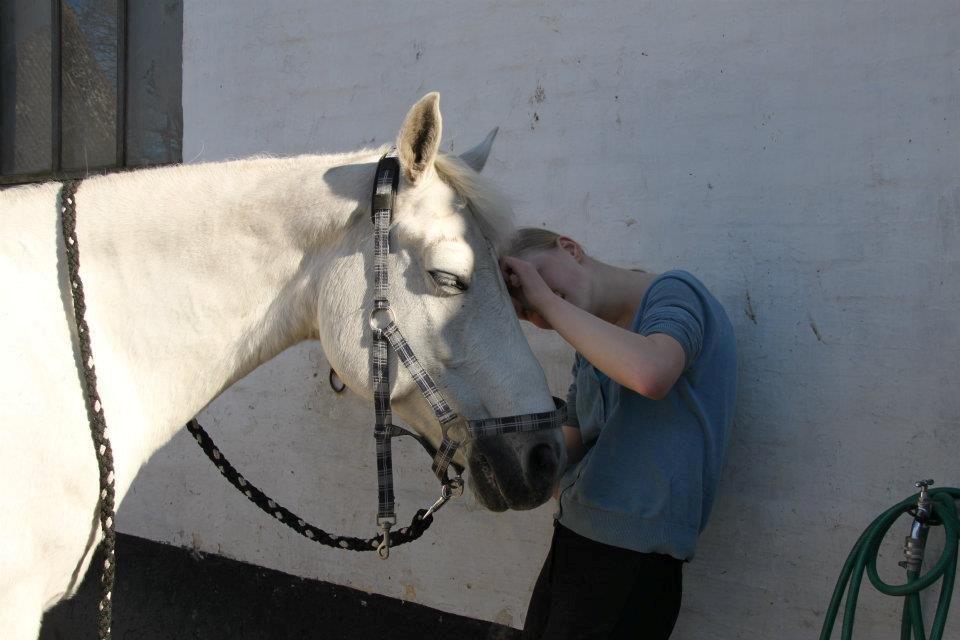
(541, 464)
(485, 467)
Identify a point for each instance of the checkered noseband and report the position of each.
(386, 335)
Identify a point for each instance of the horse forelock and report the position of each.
(489, 206)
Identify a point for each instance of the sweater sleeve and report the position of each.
(675, 308)
(572, 419)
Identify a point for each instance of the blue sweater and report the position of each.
(649, 476)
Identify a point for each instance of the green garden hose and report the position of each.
(932, 507)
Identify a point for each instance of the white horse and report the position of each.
(195, 275)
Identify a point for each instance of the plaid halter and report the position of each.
(386, 335)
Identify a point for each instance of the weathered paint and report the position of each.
(800, 158)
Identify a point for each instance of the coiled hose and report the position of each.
(864, 556)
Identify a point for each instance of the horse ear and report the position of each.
(419, 137)
(477, 157)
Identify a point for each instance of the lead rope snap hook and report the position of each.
(450, 489)
(383, 549)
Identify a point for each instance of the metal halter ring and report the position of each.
(375, 324)
(336, 383)
(455, 487)
(451, 489)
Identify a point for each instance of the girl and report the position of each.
(649, 412)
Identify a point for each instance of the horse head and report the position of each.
(449, 299)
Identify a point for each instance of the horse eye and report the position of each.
(448, 281)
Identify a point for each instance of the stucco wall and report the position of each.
(802, 158)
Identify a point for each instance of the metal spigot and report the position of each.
(915, 543)
(923, 502)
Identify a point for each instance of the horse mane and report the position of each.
(488, 205)
(486, 202)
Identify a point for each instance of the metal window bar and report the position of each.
(56, 171)
(121, 156)
(56, 79)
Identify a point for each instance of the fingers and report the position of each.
(518, 308)
(509, 276)
(512, 270)
(505, 266)
(506, 270)
(516, 273)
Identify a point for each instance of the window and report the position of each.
(88, 86)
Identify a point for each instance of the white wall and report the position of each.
(802, 158)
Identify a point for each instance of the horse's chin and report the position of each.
(489, 497)
(489, 490)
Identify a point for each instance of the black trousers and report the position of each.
(588, 589)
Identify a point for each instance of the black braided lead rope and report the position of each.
(417, 526)
(98, 423)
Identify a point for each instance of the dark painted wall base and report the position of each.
(163, 592)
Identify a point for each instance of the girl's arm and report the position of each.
(649, 365)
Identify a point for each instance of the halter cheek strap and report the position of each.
(385, 335)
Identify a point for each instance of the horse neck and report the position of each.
(199, 274)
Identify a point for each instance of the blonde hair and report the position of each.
(526, 240)
(529, 239)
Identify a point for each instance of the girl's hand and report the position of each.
(528, 290)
